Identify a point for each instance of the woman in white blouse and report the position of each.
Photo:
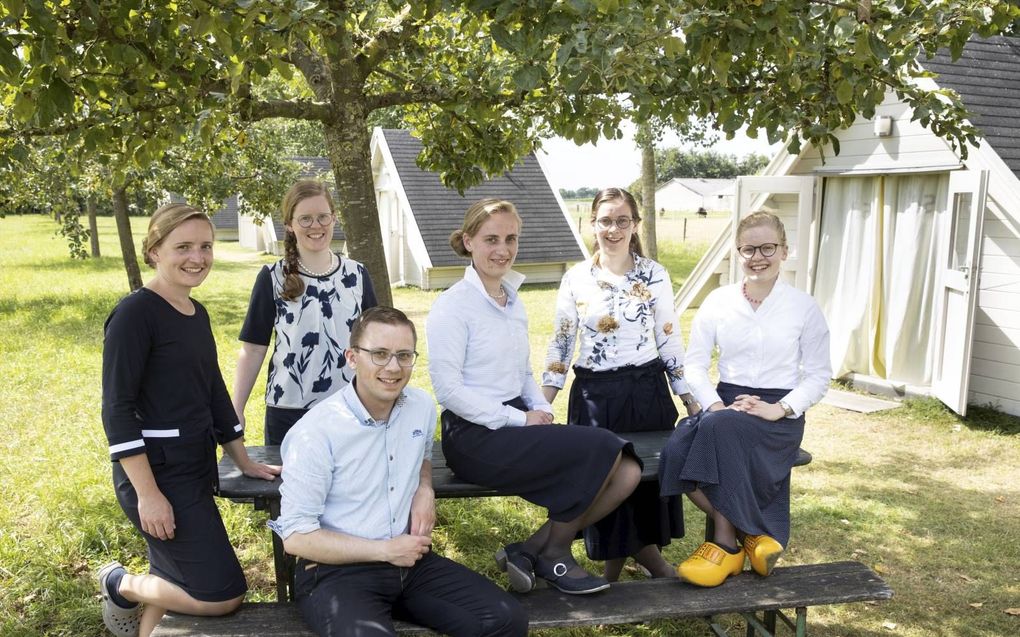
(734, 461)
(497, 426)
(619, 305)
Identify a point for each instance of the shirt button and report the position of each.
(391, 458)
(391, 488)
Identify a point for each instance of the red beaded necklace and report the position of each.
(743, 288)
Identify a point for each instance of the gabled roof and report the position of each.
(987, 77)
(700, 185)
(546, 236)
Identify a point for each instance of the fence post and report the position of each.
(685, 230)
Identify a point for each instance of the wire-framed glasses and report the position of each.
(605, 223)
(767, 250)
(323, 219)
(382, 357)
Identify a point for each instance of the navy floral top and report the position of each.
(312, 331)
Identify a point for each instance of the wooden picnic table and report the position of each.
(265, 494)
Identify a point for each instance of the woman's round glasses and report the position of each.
(323, 219)
(767, 250)
(605, 223)
(382, 357)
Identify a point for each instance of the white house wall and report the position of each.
(674, 196)
(910, 147)
(995, 357)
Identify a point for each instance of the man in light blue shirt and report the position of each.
(358, 506)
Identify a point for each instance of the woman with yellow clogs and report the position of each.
(733, 459)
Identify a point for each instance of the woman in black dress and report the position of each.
(165, 406)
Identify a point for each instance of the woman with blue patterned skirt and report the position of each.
(734, 460)
(308, 300)
(619, 305)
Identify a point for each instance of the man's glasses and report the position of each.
(605, 223)
(766, 249)
(323, 219)
(382, 357)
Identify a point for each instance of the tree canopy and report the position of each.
(481, 82)
(677, 162)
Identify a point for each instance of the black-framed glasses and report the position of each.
(382, 357)
(605, 223)
(323, 219)
(767, 250)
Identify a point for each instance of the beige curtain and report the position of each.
(875, 277)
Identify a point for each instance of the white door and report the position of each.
(795, 200)
(959, 263)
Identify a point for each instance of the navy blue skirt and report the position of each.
(554, 466)
(633, 398)
(199, 558)
(740, 462)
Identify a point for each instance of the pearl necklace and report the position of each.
(743, 288)
(500, 296)
(312, 272)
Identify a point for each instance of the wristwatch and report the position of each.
(788, 411)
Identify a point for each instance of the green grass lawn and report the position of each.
(929, 500)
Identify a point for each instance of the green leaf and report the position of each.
(24, 107)
(8, 60)
(844, 92)
(528, 78)
(60, 95)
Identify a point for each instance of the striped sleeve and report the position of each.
(126, 345)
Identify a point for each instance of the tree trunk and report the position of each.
(648, 238)
(90, 205)
(348, 148)
(127, 242)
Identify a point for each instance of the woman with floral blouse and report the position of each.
(308, 300)
(621, 305)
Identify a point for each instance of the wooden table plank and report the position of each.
(647, 445)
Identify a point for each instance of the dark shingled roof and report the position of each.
(438, 210)
(987, 77)
(226, 217)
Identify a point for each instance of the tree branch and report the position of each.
(291, 109)
(404, 26)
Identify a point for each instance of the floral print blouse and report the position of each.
(311, 331)
(628, 320)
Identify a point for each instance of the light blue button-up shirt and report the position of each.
(345, 472)
(479, 353)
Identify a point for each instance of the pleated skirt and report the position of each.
(740, 462)
(554, 466)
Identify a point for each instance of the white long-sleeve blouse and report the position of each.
(782, 345)
(479, 354)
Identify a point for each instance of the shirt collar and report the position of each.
(350, 396)
(512, 280)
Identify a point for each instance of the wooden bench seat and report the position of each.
(265, 494)
(791, 587)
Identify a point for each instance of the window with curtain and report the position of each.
(875, 274)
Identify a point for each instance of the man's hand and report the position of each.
(536, 417)
(405, 550)
(423, 511)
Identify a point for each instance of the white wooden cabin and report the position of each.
(912, 251)
(417, 214)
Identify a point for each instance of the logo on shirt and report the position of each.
(417, 433)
